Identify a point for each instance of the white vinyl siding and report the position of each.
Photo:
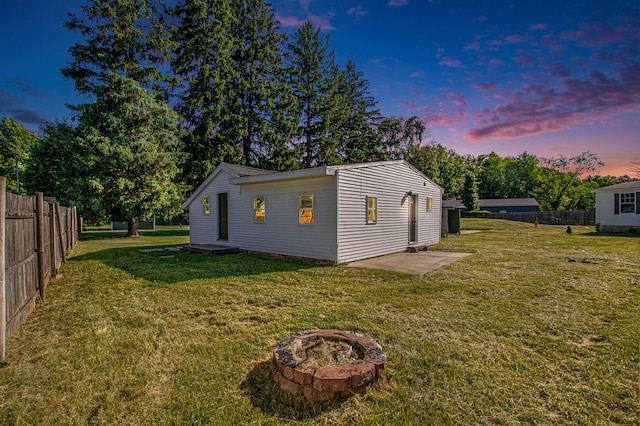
(605, 209)
(204, 227)
(342, 229)
(281, 233)
(389, 183)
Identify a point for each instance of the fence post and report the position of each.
(3, 301)
(61, 230)
(52, 240)
(42, 274)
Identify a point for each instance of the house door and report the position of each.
(223, 216)
(413, 218)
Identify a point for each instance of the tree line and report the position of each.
(172, 91)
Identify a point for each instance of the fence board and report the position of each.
(35, 237)
(3, 287)
(556, 217)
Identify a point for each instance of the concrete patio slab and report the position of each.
(418, 263)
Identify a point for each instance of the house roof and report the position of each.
(452, 204)
(507, 202)
(246, 170)
(619, 187)
(241, 175)
(320, 171)
(234, 170)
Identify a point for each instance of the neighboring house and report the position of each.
(451, 210)
(618, 207)
(505, 205)
(334, 213)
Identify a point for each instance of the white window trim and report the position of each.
(206, 206)
(630, 196)
(371, 222)
(264, 209)
(313, 218)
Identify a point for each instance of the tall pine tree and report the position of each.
(314, 79)
(121, 36)
(202, 60)
(259, 114)
(357, 141)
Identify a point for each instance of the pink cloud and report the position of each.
(485, 87)
(515, 38)
(357, 11)
(449, 112)
(535, 109)
(526, 59)
(450, 62)
(397, 3)
(417, 74)
(458, 99)
(538, 27)
(598, 34)
(289, 21)
(322, 22)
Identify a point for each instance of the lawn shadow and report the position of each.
(612, 234)
(107, 234)
(266, 395)
(165, 264)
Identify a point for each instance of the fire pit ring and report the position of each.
(327, 364)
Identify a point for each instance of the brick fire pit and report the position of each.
(327, 364)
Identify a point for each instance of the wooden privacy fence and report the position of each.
(35, 238)
(556, 217)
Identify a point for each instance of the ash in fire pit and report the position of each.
(327, 364)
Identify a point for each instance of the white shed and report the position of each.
(618, 207)
(333, 213)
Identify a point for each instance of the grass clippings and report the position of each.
(513, 334)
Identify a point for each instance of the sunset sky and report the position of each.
(547, 77)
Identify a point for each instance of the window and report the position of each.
(628, 203)
(305, 209)
(258, 210)
(372, 210)
(205, 205)
(429, 204)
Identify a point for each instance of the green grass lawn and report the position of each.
(536, 327)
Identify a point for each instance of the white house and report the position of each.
(618, 207)
(334, 213)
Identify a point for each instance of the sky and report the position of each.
(549, 77)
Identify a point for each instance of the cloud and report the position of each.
(598, 34)
(27, 89)
(485, 87)
(417, 74)
(525, 59)
(289, 21)
(450, 110)
(357, 11)
(397, 3)
(322, 22)
(450, 61)
(535, 109)
(13, 106)
(382, 61)
(458, 99)
(538, 27)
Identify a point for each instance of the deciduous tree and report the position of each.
(122, 157)
(15, 145)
